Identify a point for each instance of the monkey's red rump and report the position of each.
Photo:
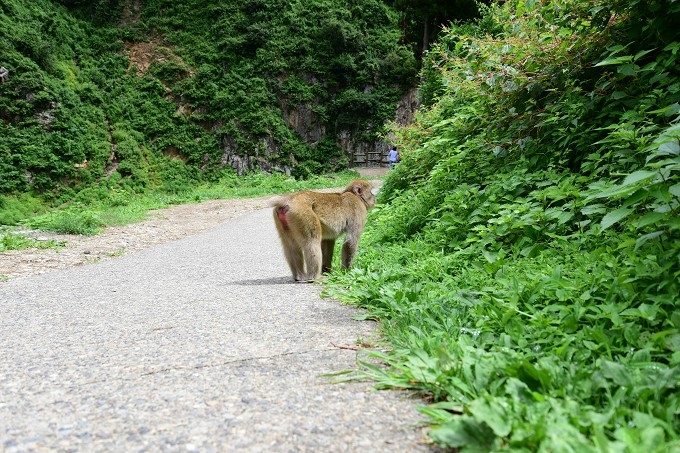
(281, 213)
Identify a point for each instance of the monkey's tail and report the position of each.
(278, 201)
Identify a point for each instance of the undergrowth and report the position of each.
(524, 260)
(11, 240)
(94, 208)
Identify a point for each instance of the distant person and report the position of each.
(393, 157)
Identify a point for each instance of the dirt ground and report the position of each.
(162, 225)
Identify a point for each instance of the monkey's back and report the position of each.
(334, 210)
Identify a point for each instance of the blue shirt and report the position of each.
(393, 155)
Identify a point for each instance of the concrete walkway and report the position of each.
(202, 344)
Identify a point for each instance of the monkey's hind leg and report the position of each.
(291, 250)
(310, 239)
(295, 259)
(312, 254)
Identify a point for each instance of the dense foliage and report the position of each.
(336, 63)
(162, 94)
(525, 262)
(422, 20)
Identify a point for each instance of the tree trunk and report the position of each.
(426, 35)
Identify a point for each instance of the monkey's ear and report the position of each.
(357, 189)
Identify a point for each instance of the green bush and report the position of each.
(14, 209)
(75, 220)
(525, 260)
(76, 111)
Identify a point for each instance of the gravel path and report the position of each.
(200, 344)
(160, 226)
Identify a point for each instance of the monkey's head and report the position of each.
(364, 190)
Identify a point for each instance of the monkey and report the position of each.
(309, 223)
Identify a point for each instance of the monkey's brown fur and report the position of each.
(309, 223)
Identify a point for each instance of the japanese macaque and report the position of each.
(309, 223)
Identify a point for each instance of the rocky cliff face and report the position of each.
(303, 120)
(307, 124)
(372, 154)
(243, 162)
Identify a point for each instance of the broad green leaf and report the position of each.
(591, 345)
(650, 439)
(615, 60)
(615, 216)
(629, 69)
(493, 413)
(642, 53)
(658, 77)
(489, 256)
(445, 122)
(675, 190)
(601, 440)
(672, 148)
(616, 49)
(598, 208)
(535, 378)
(518, 391)
(638, 176)
(648, 311)
(672, 342)
(675, 319)
(648, 219)
(636, 197)
(647, 237)
(673, 47)
(564, 217)
(673, 223)
(562, 436)
(531, 251)
(464, 431)
(669, 110)
(614, 192)
(618, 373)
(627, 243)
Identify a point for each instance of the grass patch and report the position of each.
(15, 241)
(14, 209)
(95, 208)
(72, 220)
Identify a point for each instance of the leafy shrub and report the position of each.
(525, 260)
(14, 209)
(82, 105)
(74, 220)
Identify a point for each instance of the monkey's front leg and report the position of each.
(349, 249)
(327, 249)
